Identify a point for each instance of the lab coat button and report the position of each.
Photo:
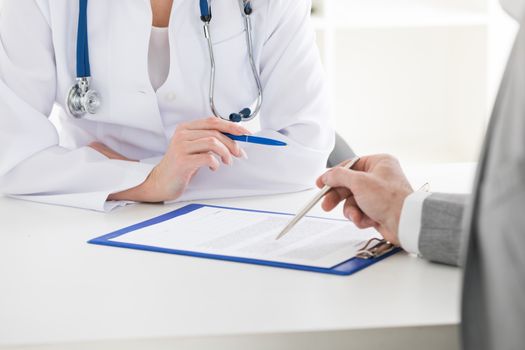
(170, 97)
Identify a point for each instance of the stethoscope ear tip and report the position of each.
(243, 114)
(248, 8)
(235, 117)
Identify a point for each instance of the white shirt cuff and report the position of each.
(410, 221)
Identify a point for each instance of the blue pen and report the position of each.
(255, 139)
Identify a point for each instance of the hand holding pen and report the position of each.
(194, 145)
(373, 194)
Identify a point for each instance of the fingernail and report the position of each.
(244, 154)
(238, 153)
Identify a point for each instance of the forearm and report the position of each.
(80, 178)
(442, 227)
(139, 193)
(143, 192)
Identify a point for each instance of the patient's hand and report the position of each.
(373, 192)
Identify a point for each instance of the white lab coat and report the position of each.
(37, 68)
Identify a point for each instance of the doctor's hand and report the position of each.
(194, 145)
(373, 193)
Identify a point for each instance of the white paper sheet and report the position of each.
(313, 242)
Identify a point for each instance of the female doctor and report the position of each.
(149, 130)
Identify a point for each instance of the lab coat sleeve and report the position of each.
(32, 164)
(295, 110)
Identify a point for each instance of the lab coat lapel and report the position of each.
(184, 95)
(176, 21)
(130, 99)
(129, 45)
(121, 60)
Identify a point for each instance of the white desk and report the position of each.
(55, 289)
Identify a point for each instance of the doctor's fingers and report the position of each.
(214, 123)
(196, 161)
(209, 144)
(193, 135)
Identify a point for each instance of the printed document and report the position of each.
(317, 242)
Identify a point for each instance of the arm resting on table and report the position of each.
(442, 227)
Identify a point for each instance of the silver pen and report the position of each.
(312, 203)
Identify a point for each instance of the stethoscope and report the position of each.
(83, 100)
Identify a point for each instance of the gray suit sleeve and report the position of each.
(442, 227)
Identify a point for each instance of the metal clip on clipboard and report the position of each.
(376, 247)
(373, 250)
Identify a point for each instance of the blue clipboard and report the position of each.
(346, 268)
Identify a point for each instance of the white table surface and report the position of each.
(55, 288)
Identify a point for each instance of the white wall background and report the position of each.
(415, 78)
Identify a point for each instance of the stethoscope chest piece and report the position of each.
(81, 99)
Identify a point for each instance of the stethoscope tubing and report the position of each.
(83, 66)
(249, 44)
(206, 17)
(81, 99)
